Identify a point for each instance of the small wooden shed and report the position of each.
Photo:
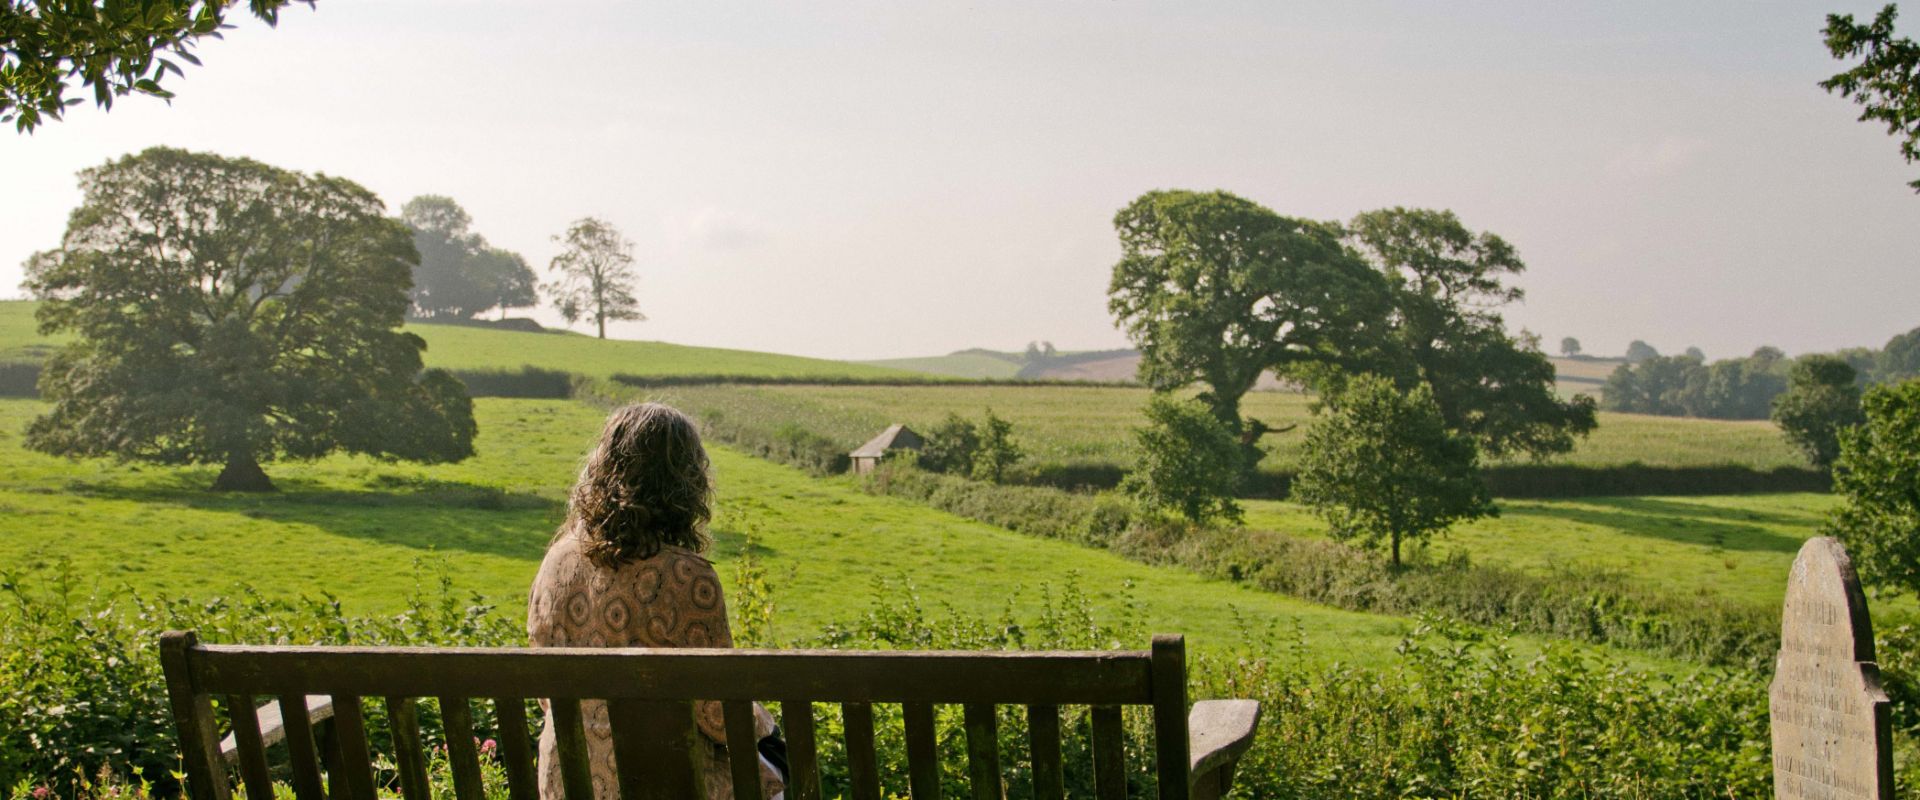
(895, 437)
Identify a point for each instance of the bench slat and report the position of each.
(409, 757)
(923, 752)
(1096, 678)
(1109, 754)
(862, 772)
(1043, 737)
(249, 750)
(304, 761)
(803, 757)
(192, 709)
(655, 745)
(462, 757)
(1170, 715)
(356, 763)
(570, 734)
(743, 749)
(983, 751)
(516, 749)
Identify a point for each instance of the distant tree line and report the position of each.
(1741, 388)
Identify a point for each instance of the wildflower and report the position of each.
(42, 792)
(488, 747)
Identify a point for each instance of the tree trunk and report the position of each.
(242, 474)
(603, 325)
(1396, 551)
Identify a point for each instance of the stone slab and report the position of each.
(1832, 725)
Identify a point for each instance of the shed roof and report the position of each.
(895, 437)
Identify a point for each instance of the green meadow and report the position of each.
(365, 532)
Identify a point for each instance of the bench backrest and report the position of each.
(649, 693)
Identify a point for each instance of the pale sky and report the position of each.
(869, 180)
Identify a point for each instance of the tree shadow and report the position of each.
(410, 512)
(1676, 521)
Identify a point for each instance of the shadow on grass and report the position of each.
(400, 510)
(1676, 521)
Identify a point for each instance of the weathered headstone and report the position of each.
(1832, 733)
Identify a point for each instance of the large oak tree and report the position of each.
(1217, 290)
(228, 312)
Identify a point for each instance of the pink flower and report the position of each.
(42, 792)
(488, 747)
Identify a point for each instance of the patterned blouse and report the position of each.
(670, 600)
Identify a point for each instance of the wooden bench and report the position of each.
(649, 693)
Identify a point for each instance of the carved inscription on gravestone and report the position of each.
(1832, 733)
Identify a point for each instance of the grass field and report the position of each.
(1069, 424)
(354, 528)
(1736, 547)
(462, 347)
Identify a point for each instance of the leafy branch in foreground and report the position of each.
(113, 48)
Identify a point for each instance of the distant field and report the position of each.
(1070, 424)
(464, 348)
(353, 527)
(958, 365)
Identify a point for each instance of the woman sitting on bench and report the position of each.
(625, 570)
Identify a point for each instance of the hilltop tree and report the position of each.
(1217, 290)
(1189, 461)
(596, 275)
(459, 274)
(1570, 347)
(1695, 353)
(1383, 467)
(1822, 399)
(114, 49)
(1886, 82)
(1639, 351)
(1443, 330)
(228, 312)
(1876, 473)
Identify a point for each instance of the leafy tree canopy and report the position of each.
(1886, 82)
(1639, 351)
(1822, 399)
(1878, 475)
(229, 312)
(1384, 468)
(459, 274)
(1189, 461)
(112, 48)
(1446, 284)
(1217, 290)
(1900, 359)
(1569, 347)
(595, 275)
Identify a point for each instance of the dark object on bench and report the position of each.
(650, 694)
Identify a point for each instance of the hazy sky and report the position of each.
(863, 180)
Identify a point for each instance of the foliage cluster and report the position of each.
(1822, 400)
(460, 274)
(1456, 713)
(1190, 461)
(1878, 474)
(984, 450)
(1382, 467)
(1884, 83)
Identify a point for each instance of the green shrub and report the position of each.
(527, 381)
(1190, 461)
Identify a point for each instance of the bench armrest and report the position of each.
(1218, 731)
(273, 728)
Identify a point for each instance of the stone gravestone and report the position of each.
(1832, 729)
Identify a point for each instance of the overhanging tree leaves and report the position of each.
(1886, 82)
(1382, 467)
(1217, 290)
(1446, 284)
(112, 48)
(596, 275)
(230, 312)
